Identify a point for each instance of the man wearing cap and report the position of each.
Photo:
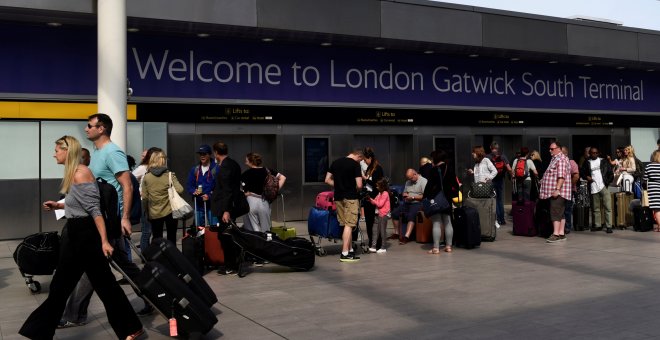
(201, 181)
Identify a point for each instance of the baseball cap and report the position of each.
(204, 149)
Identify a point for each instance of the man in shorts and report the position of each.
(556, 186)
(346, 177)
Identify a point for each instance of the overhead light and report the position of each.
(552, 62)
(54, 24)
(379, 48)
(620, 67)
(429, 52)
(266, 39)
(587, 65)
(326, 44)
(514, 59)
(473, 55)
(133, 30)
(203, 35)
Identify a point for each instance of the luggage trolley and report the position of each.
(322, 223)
(37, 255)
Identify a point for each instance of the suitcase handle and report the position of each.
(135, 249)
(116, 267)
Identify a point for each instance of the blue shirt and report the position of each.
(107, 162)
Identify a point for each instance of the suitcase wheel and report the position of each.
(35, 287)
(321, 252)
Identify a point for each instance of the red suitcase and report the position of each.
(523, 218)
(326, 200)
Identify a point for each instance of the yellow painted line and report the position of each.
(54, 110)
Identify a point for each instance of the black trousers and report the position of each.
(229, 248)
(80, 252)
(167, 221)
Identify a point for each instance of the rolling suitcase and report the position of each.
(643, 219)
(37, 254)
(296, 252)
(486, 209)
(523, 218)
(423, 228)
(283, 232)
(542, 218)
(167, 254)
(192, 243)
(580, 218)
(624, 217)
(323, 223)
(467, 230)
(172, 299)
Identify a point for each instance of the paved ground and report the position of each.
(593, 286)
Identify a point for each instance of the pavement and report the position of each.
(592, 286)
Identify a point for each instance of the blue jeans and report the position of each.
(498, 184)
(200, 218)
(145, 239)
(568, 215)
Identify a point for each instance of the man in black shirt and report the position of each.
(346, 177)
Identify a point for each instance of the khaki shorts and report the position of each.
(557, 206)
(347, 212)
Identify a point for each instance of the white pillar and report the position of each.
(111, 54)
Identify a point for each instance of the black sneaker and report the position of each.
(69, 324)
(351, 257)
(147, 310)
(404, 240)
(608, 230)
(596, 228)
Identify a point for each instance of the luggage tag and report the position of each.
(173, 331)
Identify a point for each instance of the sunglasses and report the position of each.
(89, 126)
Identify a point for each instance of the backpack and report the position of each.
(136, 205)
(521, 171)
(271, 187)
(499, 165)
(109, 208)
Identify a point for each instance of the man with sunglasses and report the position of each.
(200, 184)
(556, 186)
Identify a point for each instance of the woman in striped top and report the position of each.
(652, 176)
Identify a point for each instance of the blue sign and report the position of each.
(60, 61)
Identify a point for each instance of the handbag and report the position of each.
(438, 204)
(645, 198)
(481, 190)
(181, 210)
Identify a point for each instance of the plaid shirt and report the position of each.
(559, 168)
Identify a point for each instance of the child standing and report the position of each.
(382, 203)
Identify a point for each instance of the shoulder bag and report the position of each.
(181, 210)
(438, 204)
(481, 190)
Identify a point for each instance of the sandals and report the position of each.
(448, 250)
(656, 228)
(136, 335)
(434, 251)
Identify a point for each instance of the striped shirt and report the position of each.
(652, 176)
(559, 168)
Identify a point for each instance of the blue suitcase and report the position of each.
(323, 223)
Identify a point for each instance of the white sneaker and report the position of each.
(372, 250)
(497, 225)
(381, 251)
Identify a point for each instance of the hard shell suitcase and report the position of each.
(624, 216)
(580, 218)
(643, 219)
(423, 228)
(523, 218)
(192, 243)
(486, 209)
(542, 218)
(326, 200)
(167, 254)
(214, 256)
(283, 232)
(467, 228)
(172, 298)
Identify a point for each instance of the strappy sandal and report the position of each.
(136, 335)
(434, 251)
(448, 250)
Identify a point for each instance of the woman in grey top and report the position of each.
(84, 249)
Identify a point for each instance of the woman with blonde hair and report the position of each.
(154, 190)
(625, 178)
(84, 248)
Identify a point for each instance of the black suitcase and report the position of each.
(173, 299)
(192, 247)
(294, 252)
(643, 219)
(542, 218)
(467, 228)
(167, 254)
(581, 218)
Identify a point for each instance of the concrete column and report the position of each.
(112, 66)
